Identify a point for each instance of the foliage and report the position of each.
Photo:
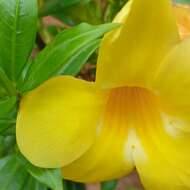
(21, 72)
(33, 51)
(182, 1)
(91, 11)
(109, 185)
(65, 55)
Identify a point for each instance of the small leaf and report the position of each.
(70, 185)
(109, 185)
(7, 145)
(18, 20)
(75, 44)
(50, 177)
(7, 104)
(8, 109)
(74, 64)
(12, 177)
(6, 84)
(7, 124)
(33, 184)
(182, 1)
(15, 177)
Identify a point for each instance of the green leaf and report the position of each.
(7, 104)
(14, 177)
(70, 185)
(6, 121)
(109, 185)
(70, 45)
(2, 92)
(53, 6)
(5, 83)
(182, 1)
(7, 145)
(8, 109)
(74, 64)
(18, 20)
(50, 177)
(32, 184)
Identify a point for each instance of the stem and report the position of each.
(7, 84)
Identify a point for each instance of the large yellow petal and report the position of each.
(164, 169)
(110, 156)
(166, 161)
(131, 54)
(157, 146)
(57, 122)
(172, 81)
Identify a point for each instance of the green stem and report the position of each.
(7, 84)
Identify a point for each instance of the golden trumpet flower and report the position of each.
(135, 115)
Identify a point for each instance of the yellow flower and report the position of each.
(135, 115)
(182, 13)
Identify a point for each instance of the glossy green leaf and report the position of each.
(7, 86)
(15, 177)
(8, 108)
(70, 45)
(109, 185)
(5, 123)
(12, 176)
(50, 177)
(7, 145)
(18, 20)
(74, 64)
(33, 184)
(7, 104)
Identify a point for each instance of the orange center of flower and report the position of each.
(130, 108)
(130, 103)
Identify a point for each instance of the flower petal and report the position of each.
(110, 156)
(159, 150)
(57, 121)
(182, 13)
(165, 133)
(166, 161)
(131, 54)
(172, 81)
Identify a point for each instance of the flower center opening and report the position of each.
(131, 107)
(131, 103)
(130, 113)
(141, 111)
